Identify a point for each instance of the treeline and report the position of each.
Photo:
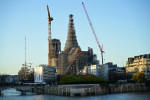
(82, 79)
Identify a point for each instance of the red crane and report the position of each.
(100, 47)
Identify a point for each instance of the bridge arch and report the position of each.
(23, 89)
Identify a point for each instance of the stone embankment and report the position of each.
(90, 89)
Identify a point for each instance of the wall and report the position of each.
(87, 90)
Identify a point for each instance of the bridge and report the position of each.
(79, 89)
(24, 89)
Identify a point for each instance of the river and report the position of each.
(117, 96)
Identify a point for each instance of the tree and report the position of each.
(139, 77)
(81, 79)
(25, 74)
(134, 77)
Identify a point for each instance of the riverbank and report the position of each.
(90, 89)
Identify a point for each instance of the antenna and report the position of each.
(25, 51)
(25, 58)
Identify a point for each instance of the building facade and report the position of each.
(92, 69)
(139, 63)
(7, 79)
(103, 71)
(106, 68)
(44, 73)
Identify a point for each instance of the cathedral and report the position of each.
(72, 59)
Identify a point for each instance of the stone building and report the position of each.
(72, 59)
(56, 45)
(54, 52)
(139, 63)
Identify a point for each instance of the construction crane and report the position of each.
(100, 47)
(51, 53)
(49, 24)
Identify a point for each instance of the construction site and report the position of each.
(72, 59)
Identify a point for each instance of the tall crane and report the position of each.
(100, 47)
(51, 54)
(49, 23)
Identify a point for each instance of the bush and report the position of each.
(81, 79)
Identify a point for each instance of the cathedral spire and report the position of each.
(71, 41)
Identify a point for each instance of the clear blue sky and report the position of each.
(123, 26)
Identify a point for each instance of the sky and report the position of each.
(122, 26)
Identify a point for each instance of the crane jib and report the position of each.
(101, 48)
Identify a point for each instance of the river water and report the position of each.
(117, 96)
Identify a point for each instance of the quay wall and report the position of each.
(92, 89)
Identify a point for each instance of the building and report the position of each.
(8, 79)
(111, 66)
(121, 70)
(92, 69)
(139, 63)
(104, 70)
(44, 73)
(56, 45)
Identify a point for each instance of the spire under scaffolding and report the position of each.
(71, 41)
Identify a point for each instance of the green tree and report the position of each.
(81, 79)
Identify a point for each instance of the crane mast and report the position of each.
(100, 47)
(49, 24)
(50, 55)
